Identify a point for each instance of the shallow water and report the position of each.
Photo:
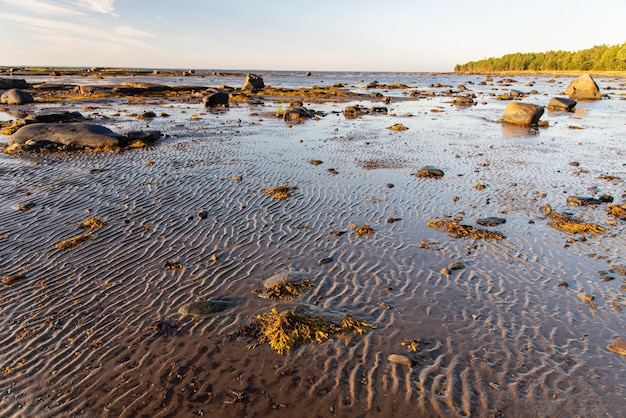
(502, 336)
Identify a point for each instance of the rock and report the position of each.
(618, 346)
(491, 221)
(583, 88)
(147, 137)
(430, 172)
(51, 116)
(326, 260)
(16, 97)
(297, 113)
(253, 83)
(352, 112)
(75, 134)
(463, 101)
(13, 83)
(582, 201)
(524, 114)
(400, 359)
(456, 266)
(562, 104)
(308, 74)
(219, 98)
(621, 270)
(23, 207)
(585, 297)
(605, 198)
(147, 115)
(290, 276)
(203, 307)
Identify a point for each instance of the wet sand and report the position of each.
(499, 337)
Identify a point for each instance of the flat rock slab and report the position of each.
(75, 134)
(203, 307)
(491, 221)
(430, 172)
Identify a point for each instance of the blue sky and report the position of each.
(390, 35)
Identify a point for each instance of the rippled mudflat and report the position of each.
(189, 219)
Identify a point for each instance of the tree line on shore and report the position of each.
(598, 58)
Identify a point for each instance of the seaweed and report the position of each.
(91, 223)
(72, 242)
(281, 192)
(285, 289)
(362, 230)
(571, 225)
(617, 211)
(458, 230)
(284, 330)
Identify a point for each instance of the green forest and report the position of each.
(598, 58)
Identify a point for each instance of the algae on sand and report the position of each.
(568, 224)
(281, 192)
(285, 289)
(458, 230)
(284, 330)
(72, 242)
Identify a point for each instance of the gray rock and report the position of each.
(463, 101)
(353, 112)
(430, 172)
(583, 88)
(74, 134)
(219, 98)
(13, 83)
(524, 114)
(400, 359)
(456, 265)
(562, 104)
(253, 83)
(203, 307)
(16, 97)
(52, 116)
(491, 221)
(582, 201)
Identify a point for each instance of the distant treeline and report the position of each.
(598, 58)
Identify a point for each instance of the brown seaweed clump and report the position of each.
(362, 230)
(568, 224)
(285, 289)
(618, 211)
(72, 242)
(458, 230)
(92, 223)
(281, 192)
(283, 330)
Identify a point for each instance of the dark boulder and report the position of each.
(353, 112)
(16, 97)
(219, 98)
(463, 101)
(430, 172)
(253, 83)
(71, 134)
(13, 83)
(523, 114)
(562, 104)
(583, 88)
(583, 201)
(297, 113)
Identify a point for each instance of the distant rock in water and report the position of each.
(562, 104)
(253, 83)
(219, 98)
(523, 114)
(13, 83)
(583, 88)
(16, 97)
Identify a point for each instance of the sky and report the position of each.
(317, 35)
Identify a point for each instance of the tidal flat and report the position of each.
(452, 324)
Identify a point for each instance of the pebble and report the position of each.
(430, 172)
(585, 297)
(618, 346)
(456, 266)
(400, 359)
(326, 260)
(491, 221)
(621, 270)
(23, 207)
(445, 271)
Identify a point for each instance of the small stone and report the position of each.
(393, 220)
(389, 186)
(586, 298)
(237, 178)
(491, 221)
(203, 307)
(23, 207)
(203, 214)
(400, 359)
(337, 233)
(456, 266)
(563, 284)
(621, 270)
(326, 260)
(618, 346)
(445, 271)
(430, 172)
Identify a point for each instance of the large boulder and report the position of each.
(219, 98)
(16, 97)
(560, 103)
(253, 83)
(297, 114)
(583, 88)
(70, 134)
(523, 114)
(13, 83)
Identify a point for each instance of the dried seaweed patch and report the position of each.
(458, 230)
(281, 192)
(285, 289)
(72, 242)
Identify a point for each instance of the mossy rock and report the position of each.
(203, 307)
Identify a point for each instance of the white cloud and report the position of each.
(101, 6)
(128, 30)
(43, 7)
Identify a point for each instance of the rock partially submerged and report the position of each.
(219, 98)
(70, 134)
(253, 83)
(522, 114)
(297, 114)
(562, 104)
(618, 346)
(583, 88)
(203, 307)
(16, 97)
(13, 83)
